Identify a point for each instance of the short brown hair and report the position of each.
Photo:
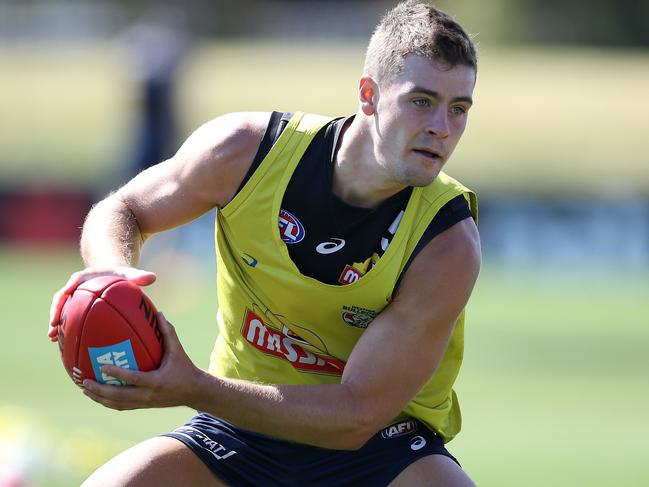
(420, 29)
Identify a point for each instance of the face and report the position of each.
(418, 119)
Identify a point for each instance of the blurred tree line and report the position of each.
(623, 23)
(598, 22)
(586, 22)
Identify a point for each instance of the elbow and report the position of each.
(351, 441)
(364, 431)
(351, 436)
(365, 421)
(357, 443)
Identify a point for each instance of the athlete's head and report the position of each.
(415, 94)
(415, 28)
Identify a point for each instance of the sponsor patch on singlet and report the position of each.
(273, 342)
(358, 317)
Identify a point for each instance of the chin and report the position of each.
(422, 179)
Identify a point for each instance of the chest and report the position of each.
(328, 239)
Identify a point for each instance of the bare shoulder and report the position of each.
(221, 151)
(231, 132)
(205, 173)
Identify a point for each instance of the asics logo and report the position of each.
(330, 247)
(417, 443)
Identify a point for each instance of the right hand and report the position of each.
(136, 276)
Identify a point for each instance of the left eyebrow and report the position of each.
(435, 95)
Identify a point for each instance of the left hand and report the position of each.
(172, 384)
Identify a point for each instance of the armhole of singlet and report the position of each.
(451, 213)
(276, 125)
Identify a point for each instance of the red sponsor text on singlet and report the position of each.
(274, 342)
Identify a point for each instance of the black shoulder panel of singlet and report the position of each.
(276, 125)
(451, 213)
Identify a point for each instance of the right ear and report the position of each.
(368, 94)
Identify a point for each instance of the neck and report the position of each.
(359, 179)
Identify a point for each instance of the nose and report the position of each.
(437, 123)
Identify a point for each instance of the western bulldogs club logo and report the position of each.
(356, 320)
(290, 228)
(358, 317)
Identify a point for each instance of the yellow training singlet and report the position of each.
(277, 326)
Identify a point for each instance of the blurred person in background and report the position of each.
(156, 46)
(345, 260)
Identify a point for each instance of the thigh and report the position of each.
(433, 471)
(159, 462)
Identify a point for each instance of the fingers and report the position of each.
(136, 395)
(169, 385)
(114, 397)
(132, 274)
(61, 296)
(58, 301)
(131, 377)
(137, 276)
(109, 403)
(170, 339)
(53, 333)
(165, 327)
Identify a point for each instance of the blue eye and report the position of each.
(458, 110)
(421, 102)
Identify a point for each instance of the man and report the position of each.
(345, 260)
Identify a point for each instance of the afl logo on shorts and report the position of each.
(399, 429)
(290, 228)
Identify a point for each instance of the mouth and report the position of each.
(433, 155)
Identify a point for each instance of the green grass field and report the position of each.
(553, 387)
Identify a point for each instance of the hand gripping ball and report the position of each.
(108, 321)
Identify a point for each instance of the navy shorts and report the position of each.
(243, 458)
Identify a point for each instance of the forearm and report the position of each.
(327, 415)
(111, 236)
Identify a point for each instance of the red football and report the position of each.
(108, 321)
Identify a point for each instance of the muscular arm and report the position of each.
(204, 173)
(394, 358)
